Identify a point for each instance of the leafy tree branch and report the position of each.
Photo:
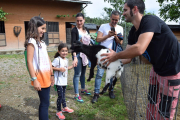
(169, 9)
(2, 15)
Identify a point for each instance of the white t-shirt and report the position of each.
(105, 28)
(41, 63)
(60, 77)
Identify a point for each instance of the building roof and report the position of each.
(174, 27)
(76, 1)
(90, 26)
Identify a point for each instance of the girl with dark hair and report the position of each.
(60, 67)
(77, 34)
(39, 64)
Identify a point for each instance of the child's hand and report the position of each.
(75, 62)
(52, 80)
(70, 67)
(62, 69)
(37, 85)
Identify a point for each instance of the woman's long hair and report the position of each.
(81, 15)
(32, 31)
(61, 45)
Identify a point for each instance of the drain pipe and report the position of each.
(83, 8)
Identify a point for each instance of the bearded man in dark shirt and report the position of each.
(153, 39)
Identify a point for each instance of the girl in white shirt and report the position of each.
(39, 64)
(60, 67)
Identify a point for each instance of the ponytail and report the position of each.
(57, 55)
(61, 45)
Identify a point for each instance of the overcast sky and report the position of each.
(96, 8)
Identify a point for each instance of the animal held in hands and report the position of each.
(93, 53)
(113, 70)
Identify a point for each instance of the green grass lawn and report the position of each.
(104, 109)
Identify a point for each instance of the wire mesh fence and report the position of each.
(148, 96)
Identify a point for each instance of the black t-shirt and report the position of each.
(164, 49)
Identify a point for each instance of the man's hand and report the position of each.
(117, 39)
(111, 33)
(110, 57)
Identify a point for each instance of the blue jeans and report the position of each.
(99, 75)
(89, 64)
(44, 103)
(79, 73)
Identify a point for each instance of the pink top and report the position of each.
(86, 41)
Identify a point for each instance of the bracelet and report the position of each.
(33, 78)
(52, 75)
(74, 56)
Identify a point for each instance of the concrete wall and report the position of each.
(24, 10)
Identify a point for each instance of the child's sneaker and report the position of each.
(60, 115)
(78, 98)
(85, 92)
(68, 110)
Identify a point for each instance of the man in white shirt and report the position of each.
(105, 37)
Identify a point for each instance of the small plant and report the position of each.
(74, 15)
(2, 14)
(58, 16)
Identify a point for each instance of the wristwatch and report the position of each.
(33, 78)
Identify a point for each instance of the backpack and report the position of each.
(25, 55)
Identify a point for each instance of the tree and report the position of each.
(97, 21)
(2, 14)
(170, 9)
(116, 5)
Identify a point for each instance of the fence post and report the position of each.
(136, 97)
(177, 106)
